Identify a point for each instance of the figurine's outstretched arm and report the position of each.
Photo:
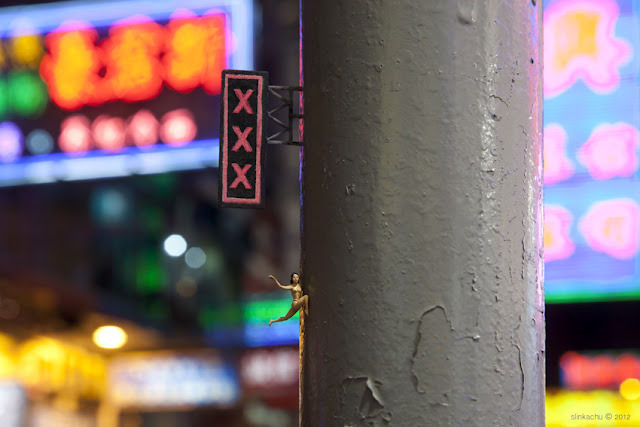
(278, 283)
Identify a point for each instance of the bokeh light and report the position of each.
(178, 127)
(27, 93)
(27, 49)
(630, 389)
(109, 206)
(195, 257)
(110, 337)
(39, 141)
(108, 133)
(10, 142)
(186, 287)
(175, 245)
(143, 128)
(75, 135)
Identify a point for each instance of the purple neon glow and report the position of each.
(10, 142)
(579, 43)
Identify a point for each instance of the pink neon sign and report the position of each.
(610, 151)
(557, 166)
(611, 227)
(557, 243)
(579, 43)
(78, 135)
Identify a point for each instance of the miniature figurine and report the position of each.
(299, 300)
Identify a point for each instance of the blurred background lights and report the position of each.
(75, 135)
(186, 287)
(109, 206)
(108, 132)
(27, 93)
(143, 128)
(27, 49)
(195, 257)
(9, 308)
(39, 141)
(175, 245)
(10, 142)
(178, 127)
(4, 95)
(110, 337)
(630, 389)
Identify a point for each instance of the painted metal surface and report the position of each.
(422, 213)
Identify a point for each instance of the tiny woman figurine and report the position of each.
(299, 300)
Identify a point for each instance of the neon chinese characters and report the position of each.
(134, 61)
(580, 44)
(611, 151)
(611, 227)
(557, 243)
(557, 166)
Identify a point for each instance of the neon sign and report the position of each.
(592, 371)
(163, 379)
(611, 151)
(591, 142)
(592, 408)
(580, 44)
(136, 58)
(75, 74)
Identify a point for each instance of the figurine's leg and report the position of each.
(287, 316)
(304, 300)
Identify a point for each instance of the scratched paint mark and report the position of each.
(610, 151)
(361, 402)
(557, 166)
(579, 43)
(557, 242)
(611, 227)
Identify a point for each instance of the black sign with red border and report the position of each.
(243, 120)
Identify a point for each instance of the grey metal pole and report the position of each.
(422, 213)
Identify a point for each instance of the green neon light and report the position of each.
(571, 297)
(4, 99)
(264, 310)
(150, 275)
(257, 312)
(26, 93)
(211, 317)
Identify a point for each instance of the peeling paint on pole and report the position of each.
(422, 213)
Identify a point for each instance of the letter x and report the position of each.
(242, 176)
(242, 139)
(243, 101)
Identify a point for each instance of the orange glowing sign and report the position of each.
(195, 54)
(584, 371)
(134, 61)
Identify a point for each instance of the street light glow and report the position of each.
(110, 337)
(175, 245)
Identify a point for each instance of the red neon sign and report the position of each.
(580, 371)
(134, 61)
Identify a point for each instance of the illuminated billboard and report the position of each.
(591, 115)
(102, 89)
(169, 380)
(592, 408)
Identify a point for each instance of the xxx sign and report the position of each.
(243, 119)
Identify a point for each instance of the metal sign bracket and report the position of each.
(285, 100)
